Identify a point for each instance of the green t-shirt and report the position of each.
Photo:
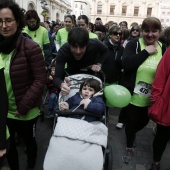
(32, 113)
(40, 36)
(92, 35)
(145, 76)
(62, 36)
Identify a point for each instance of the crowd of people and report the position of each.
(135, 57)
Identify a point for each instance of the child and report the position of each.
(88, 98)
(53, 94)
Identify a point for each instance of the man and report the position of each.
(79, 53)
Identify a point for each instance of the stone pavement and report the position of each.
(143, 150)
(141, 159)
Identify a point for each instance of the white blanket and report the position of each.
(76, 145)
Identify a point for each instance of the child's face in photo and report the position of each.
(87, 92)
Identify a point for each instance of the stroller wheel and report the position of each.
(108, 158)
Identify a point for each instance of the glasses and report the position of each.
(117, 33)
(7, 21)
(135, 30)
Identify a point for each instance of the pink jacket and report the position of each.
(159, 112)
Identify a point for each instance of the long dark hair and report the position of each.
(17, 12)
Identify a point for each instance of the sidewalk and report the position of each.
(143, 151)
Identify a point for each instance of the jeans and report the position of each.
(53, 101)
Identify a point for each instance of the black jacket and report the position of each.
(112, 65)
(3, 110)
(95, 53)
(132, 58)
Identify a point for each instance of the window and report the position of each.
(112, 9)
(149, 12)
(162, 20)
(168, 13)
(136, 11)
(81, 7)
(167, 20)
(124, 9)
(99, 9)
(163, 13)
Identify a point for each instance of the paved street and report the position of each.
(143, 151)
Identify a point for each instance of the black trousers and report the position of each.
(160, 141)
(26, 129)
(136, 119)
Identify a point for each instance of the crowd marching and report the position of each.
(35, 55)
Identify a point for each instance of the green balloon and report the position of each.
(117, 96)
(108, 104)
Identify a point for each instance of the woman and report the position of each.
(159, 111)
(38, 34)
(112, 64)
(62, 33)
(83, 22)
(25, 77)
(134, 33)
(3, 113)
(123, 25)
(140, 59)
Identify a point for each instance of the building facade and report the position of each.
(81, 7)
(51, 10)
(164, 12)
(124, 10)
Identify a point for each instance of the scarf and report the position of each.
(35, 28)
(8, 44)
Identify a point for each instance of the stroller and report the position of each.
(75, 143)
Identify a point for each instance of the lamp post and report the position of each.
(43, 6)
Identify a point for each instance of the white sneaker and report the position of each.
(119, 125)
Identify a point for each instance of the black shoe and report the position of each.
(127, 157)
(154, 167)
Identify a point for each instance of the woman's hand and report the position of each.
(2, 152)
(151, 49)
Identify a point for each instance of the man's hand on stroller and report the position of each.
(63, 106)
(65, 89)
(95, 67)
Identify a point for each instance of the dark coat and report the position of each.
(95, 53)
(112, 65)
(3, 110)
(28, 74)
(96, 106)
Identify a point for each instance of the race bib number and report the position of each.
(143, 89)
